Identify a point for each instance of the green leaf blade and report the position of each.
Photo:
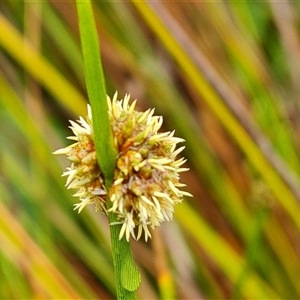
(95, 82)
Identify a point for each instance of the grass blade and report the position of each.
(127, 275)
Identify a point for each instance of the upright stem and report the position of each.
(126, 273)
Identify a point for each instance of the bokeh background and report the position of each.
(226, 77)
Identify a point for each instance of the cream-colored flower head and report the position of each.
(146, 180)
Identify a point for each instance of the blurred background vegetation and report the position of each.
(225, 76)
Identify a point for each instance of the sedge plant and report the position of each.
(121, 163)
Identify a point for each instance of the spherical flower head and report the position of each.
(146, 179)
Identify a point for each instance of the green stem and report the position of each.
(95, 83)
(126, 273)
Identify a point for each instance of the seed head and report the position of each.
(146, 179)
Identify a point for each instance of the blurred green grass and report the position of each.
(225, 76)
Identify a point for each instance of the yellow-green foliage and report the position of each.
(225, 76)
